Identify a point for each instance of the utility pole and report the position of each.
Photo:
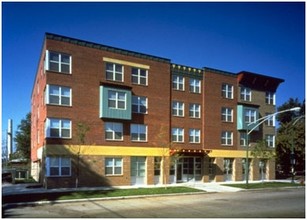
(9, 139)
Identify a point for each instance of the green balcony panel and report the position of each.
(115, 103)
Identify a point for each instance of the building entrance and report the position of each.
(138, 170)
(188, 168)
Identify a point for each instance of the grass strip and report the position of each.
(262, 185)
(95, 194)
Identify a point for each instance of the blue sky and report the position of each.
(265, 38)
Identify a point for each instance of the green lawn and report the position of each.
(262, 185)
(96, 194)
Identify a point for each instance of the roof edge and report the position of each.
(85, 43)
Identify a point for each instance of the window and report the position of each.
(270, 98)
(58, 128)
(227, 91)
(158, 161)
(58, 166)
(113, 166)
(113, 131)
(178, 109)
(178, 83)
(250, 116)
(270, 140)
(115, 103)
(116, 99)
(194, 135)
(114, 72)
(271, 120)
(177, 134)
(58, 95)
(246, 94)
(58, 62)
(243, 138)
(138, 132)
(211, 166)
(195, 85)
(139, 76)
(227, 114)
(139, 104)
(226, 138)
(194, 110)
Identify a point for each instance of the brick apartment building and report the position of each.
(108, 116)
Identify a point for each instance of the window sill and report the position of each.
(50, 104)
(114, 175)
(111, 140)
(53, 71)
(139, 141)
(57, 176)
(228, 122)
(178, 90)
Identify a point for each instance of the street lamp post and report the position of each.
(259, 122)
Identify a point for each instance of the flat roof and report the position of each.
(104, 47)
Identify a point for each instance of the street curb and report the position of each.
(270, 188)
(101, 199)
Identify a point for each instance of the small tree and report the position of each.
(162, 137)
(261, 151)
(23, 137)
(168, 150)
(82, 130)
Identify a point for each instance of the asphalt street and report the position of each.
(277, 203)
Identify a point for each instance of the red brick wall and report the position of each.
(38, 109)
(187, 122)
(213, 102)
(88, 71)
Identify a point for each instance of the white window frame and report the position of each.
(270, 98)
(139, 76)
(59, 95)
(250, 115)
(270, 140)
(178, 82)
(227, 138)
(114, 72)
(178, 135)
(59, 62)
(246, 94)
(139, 102)
(60, 128)
(195, 85)
(138, 130)
(178, 108)
(194, 135)
(113, 128)
(227, 91)
(60, 166)
(194, 110)
(270, 121)
(227, 114)
(117, 99)
(115, 165)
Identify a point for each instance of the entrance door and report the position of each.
(138, 170)
(228, 169)
(157, 171)
(262, 169)
(188, 168)
(179, 171)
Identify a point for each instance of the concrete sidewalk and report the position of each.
(16, 189)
